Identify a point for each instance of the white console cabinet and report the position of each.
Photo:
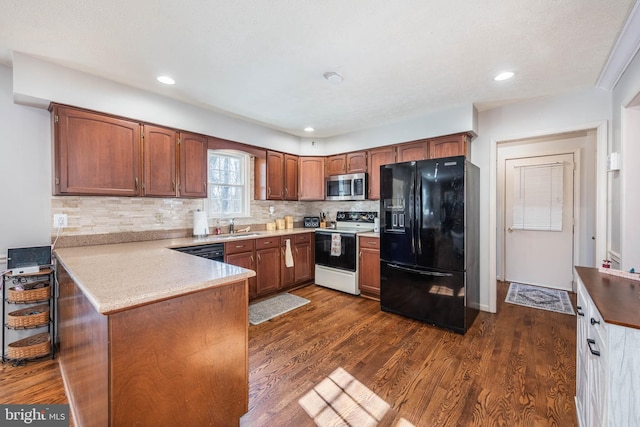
(608, 355)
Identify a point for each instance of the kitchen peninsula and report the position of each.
(150, 336)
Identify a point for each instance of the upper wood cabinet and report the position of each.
(95, 154)
(450, 145)
(193, 165)
(378, 157)
(416, 150)
(311, 178)
(336, 165)
(290, 177)
(159, 152)
(356, 161)
(346, 163)
(276, 177)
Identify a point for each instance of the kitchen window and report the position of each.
(228, 184)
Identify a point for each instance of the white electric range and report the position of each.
(336, 251)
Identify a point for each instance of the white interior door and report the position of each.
(539, 221)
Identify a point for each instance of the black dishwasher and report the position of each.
(214, 251)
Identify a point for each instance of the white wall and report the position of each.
(445, 122)
(626, 141)
(584, 109)
(38, 82)
(25, 172)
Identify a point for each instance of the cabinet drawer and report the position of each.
(239, 246)
(267, 242)
(302, 238)
(370, 242)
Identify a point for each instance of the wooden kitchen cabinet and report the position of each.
(369, 269)
(378, 157)
(290, 177)
(303, 257)
(193, 165)
(336, 165)
(159, 154)
(450, 145)
(287, 274)
(356, 162)
(267, 265)
(276, 176)
(241, 253)
(410, 151)
(311, 178)
(95, 154)
(302, 254)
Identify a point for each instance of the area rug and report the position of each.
(262, 311)
(542, 298)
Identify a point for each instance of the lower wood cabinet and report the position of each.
(302, 254)
(242, 254)
(303, 257)
(369, 268)
(267, 256)
(267, 265)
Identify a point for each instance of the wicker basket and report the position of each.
(29, 317)
(30, 347)
(29, 295)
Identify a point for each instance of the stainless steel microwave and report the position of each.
(353, 186)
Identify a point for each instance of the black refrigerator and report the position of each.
(429, 267)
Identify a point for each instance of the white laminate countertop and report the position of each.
(120, 276)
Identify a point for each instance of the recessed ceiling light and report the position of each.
(309, 129)
(503, 76)
(333, 77)
(166, 80)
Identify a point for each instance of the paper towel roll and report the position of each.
(200, 224)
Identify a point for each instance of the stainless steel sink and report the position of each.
(236, 236)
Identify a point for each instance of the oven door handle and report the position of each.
(424, 273)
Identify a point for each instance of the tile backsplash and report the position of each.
(104, 215)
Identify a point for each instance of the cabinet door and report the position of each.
(244, 260)
(193, 165)
(287, 276)
(311, 178)
(159, 153)
(268, 270)
(447, 146)
(303, 258)
(290, 177)
(356, 162)
(275, 175)
(417, 150)
(95, 154)
(336, 164)
(369, 271)
(378, 157)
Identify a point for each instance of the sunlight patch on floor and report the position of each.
(341, 400)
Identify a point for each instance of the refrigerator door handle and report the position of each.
(424, 273)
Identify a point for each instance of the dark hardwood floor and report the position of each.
(341, 355)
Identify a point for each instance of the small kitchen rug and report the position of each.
(542, 298)
(262, 311)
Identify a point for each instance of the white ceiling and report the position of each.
(264, 60)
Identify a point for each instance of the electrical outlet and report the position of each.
(60, 220)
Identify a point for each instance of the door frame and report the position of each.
(576, 204)
(602, 137)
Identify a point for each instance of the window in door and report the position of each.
(228, 184)
(538, 197)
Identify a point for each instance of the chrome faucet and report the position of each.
(231, 226)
